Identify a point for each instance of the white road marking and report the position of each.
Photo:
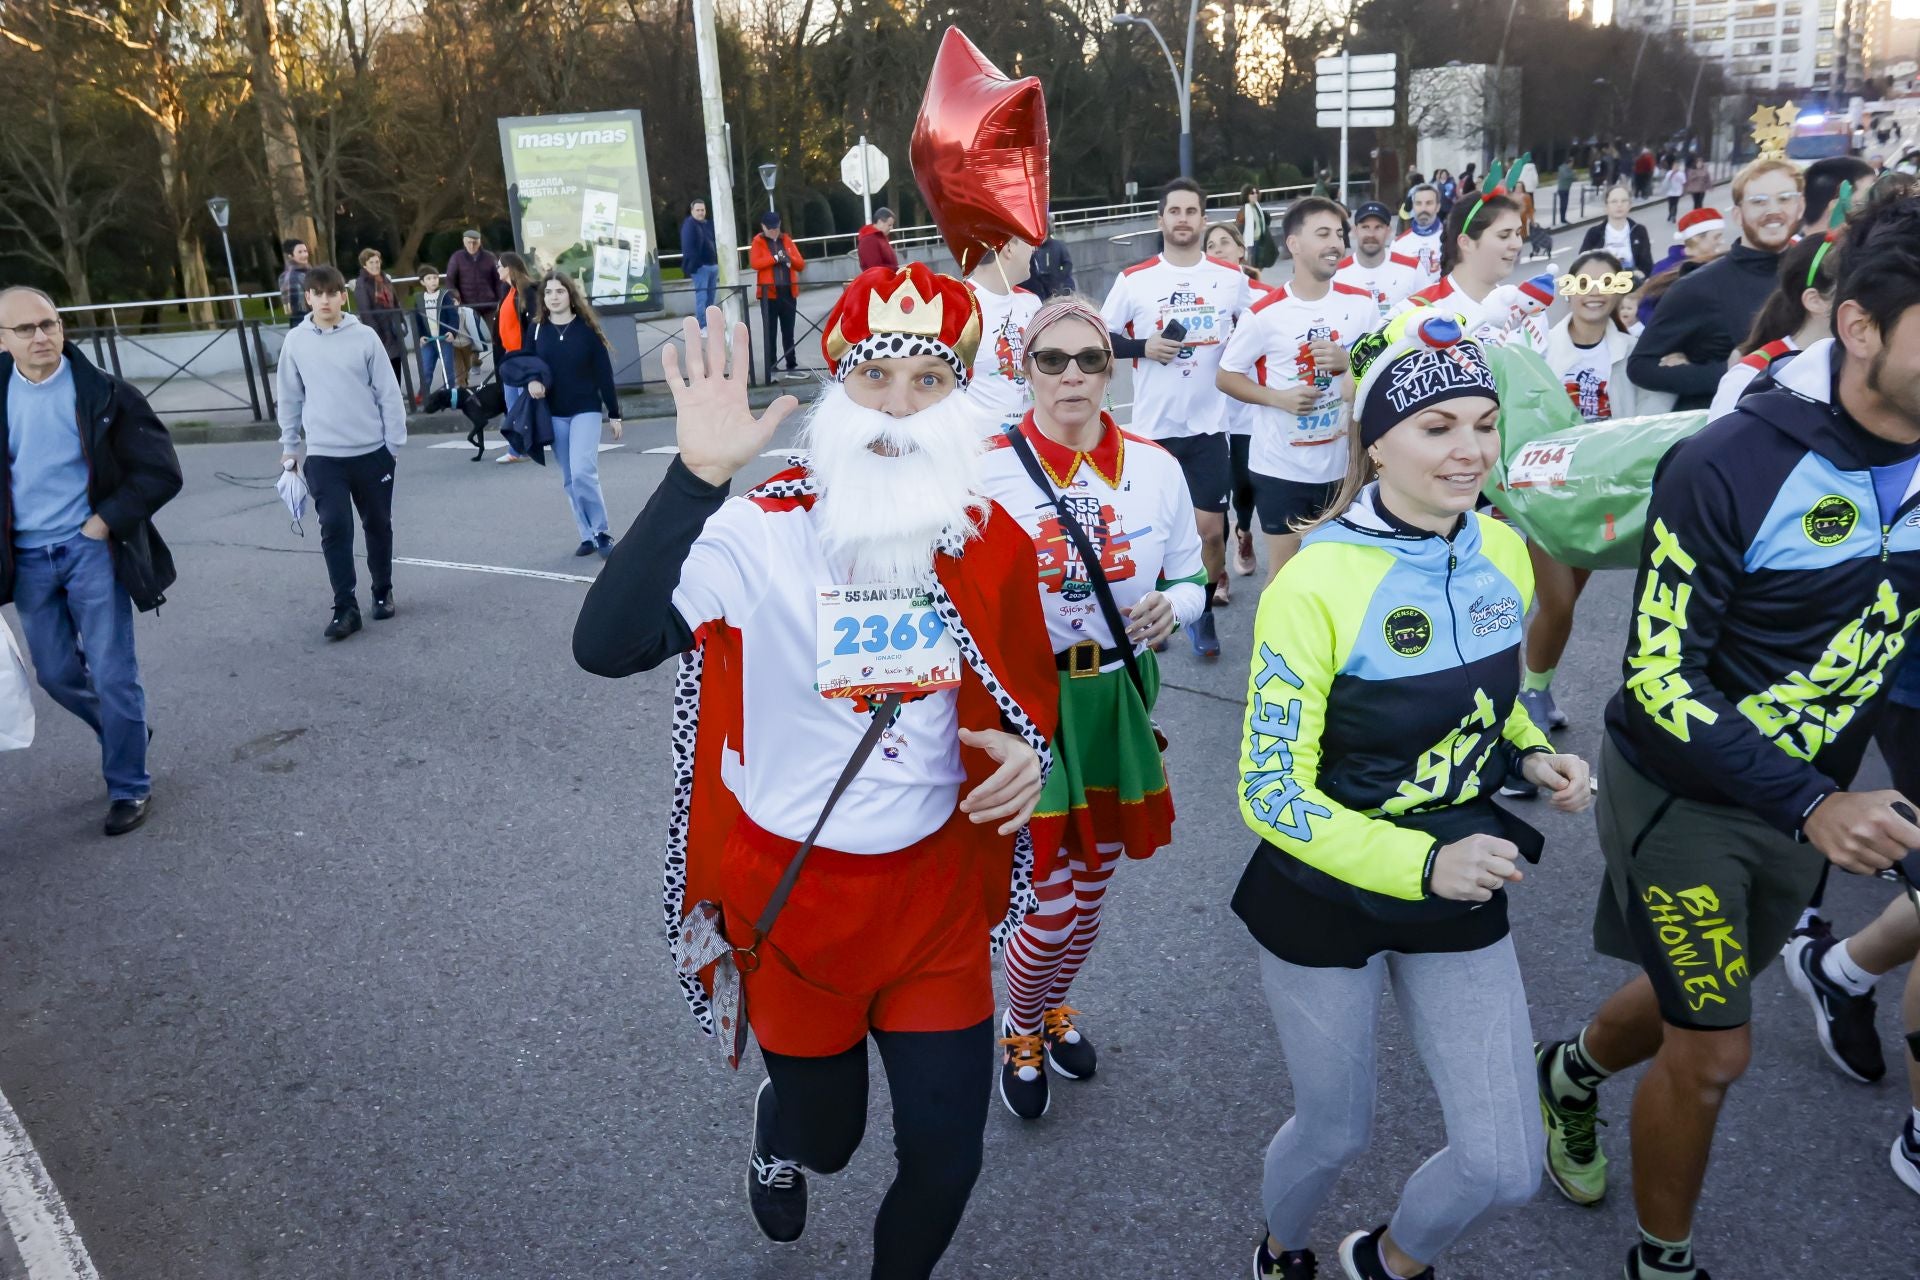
(604, 446)
(493, 568)
(34, 1214)
(492, 443)
(668, 449)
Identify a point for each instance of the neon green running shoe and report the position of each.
(1575, 1162)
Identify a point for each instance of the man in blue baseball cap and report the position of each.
(1374, 265)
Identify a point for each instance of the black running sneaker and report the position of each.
(382, 605)
(1843, 1021)
(1906, 1156)
(776, 1188)
(1023, 1074)
(1641, 1267)
(346, 621)
(1360, 1257)
(1069, 1052)
(1294, 1264)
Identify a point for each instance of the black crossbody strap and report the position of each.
(1102, 590)
(889, 707)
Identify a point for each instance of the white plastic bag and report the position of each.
(293, 492)
(16, 699)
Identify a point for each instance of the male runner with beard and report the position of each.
(1421, 240)
(1374, 265)
(877, 550)
(1289, 358)
(1172, 315)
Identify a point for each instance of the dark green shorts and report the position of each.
(1701, 896)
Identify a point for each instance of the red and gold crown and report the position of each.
(902, 311)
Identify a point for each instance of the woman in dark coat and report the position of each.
(377, 303)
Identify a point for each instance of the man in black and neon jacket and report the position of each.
(1779, 582)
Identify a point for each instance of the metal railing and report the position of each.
(1062, 220)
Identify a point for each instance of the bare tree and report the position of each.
(280, 140)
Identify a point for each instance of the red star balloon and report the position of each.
(979, 152)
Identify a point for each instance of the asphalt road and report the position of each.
(379, 991)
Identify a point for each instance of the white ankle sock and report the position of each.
(1838, 965)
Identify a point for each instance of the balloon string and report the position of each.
(998, 266)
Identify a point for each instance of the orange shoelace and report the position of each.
(1024, 1052)
(1055, 1023)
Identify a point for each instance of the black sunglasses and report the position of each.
(1092, 360)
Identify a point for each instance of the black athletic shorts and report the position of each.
(1281, 503)
(1702, 896)
(1208, 465)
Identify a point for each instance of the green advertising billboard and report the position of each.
(577, 187)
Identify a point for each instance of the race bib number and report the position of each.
(876, 640)
(1324, 424)
(1542, 464)
(1205, 325)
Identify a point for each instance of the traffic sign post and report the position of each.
(865, 170)
(1354, 92)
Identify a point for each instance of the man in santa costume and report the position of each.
(789, 607)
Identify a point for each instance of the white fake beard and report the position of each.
(879, 518)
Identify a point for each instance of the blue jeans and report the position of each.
(78, 621)
(438, 352)
(576, 447)
(705, 281)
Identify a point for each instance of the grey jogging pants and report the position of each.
(1467, 1012)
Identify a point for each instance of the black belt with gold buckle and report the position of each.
(1085, 659)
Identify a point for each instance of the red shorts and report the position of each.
(893, 941)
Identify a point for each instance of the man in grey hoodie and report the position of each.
(337, 387)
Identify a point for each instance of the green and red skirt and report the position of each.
(1109, 785)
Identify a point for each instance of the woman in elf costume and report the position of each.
(1113, 527)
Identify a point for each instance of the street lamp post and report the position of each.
(769, 174)
(222, 211)
(1182, 83)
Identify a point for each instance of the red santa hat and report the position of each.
(1700, 222)
(902, 311)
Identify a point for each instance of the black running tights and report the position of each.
(940, 1082)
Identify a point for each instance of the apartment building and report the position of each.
(1766, 46)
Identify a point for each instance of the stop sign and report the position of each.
(876, 173)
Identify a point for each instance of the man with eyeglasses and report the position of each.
(84, 464)
(1703, 316)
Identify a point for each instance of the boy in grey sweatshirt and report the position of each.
(336, 388)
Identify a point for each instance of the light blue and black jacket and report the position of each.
(1382, 709)
(1779, 581)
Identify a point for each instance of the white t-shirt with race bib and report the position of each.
(757, 567)
(1131, 498)
(1178, 398)
(999, 387)
(1390, 283)
(1270, 347)
(1424, 250)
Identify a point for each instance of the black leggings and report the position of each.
(1242, 482)
(940, 1081)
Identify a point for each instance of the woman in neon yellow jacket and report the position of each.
(1382, 715)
